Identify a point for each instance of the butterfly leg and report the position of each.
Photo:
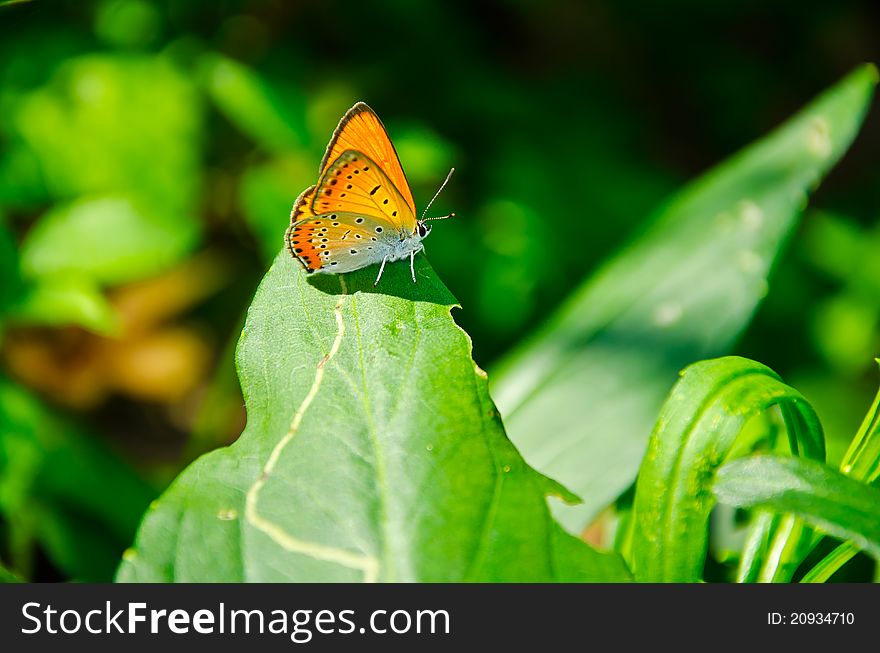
(412, 263)
(381, 269)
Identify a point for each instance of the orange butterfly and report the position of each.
(361, 211)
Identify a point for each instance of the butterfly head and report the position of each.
(423, 228)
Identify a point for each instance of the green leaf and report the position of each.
(253, 105)
(110, 239)
(108, 124)
(695, 433)
(57, 301)
(7, 576)
(823, 570)
(821, 496)
(120, 138)
(372, 452)
(127, 23)
(579, 399)
(117, 140)
(61, 488)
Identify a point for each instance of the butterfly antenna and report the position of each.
(439, 217)
(440, 190)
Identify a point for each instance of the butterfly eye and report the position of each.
(423, 229)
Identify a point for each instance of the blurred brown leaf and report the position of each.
(155, 357)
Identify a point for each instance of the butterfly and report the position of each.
(361, 211)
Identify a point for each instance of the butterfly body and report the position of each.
(361, 211)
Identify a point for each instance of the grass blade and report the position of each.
(822, 496)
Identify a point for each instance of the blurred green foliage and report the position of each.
(54, 485)
(136, 137)
(683, 290)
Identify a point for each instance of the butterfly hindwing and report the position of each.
(339, 241)
(361, 130)
(302, 207)
(353, 183)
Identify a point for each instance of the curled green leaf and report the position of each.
(694, 434)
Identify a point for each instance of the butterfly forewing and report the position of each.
(361, 130)
(339, 241)
(353, 183)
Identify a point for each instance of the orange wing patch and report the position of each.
(302, 210)
(299, 239)
(353, 183)
(361, 130)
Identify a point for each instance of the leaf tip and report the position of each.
(559, 491)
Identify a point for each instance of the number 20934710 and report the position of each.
(810, 618)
